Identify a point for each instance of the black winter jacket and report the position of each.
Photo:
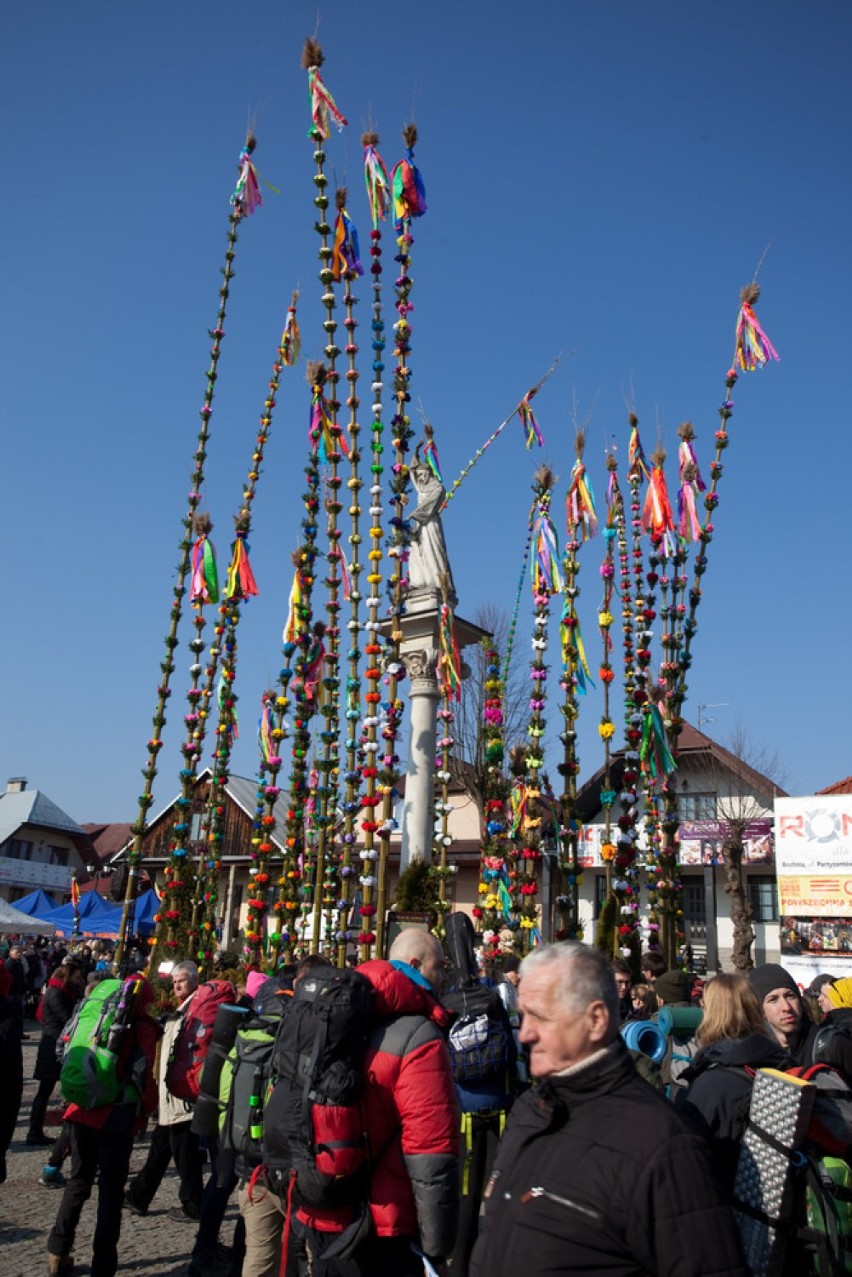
(597, 1173)
(719, 1088)
(57, 1007)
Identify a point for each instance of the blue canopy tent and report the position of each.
(147, 905)
(96, 917)
(38, 904)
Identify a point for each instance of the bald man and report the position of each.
(412, 1122)
(418, 954)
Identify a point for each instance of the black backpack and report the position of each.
(313, 1128)
(481, 1044)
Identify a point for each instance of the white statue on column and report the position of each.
(429, 570)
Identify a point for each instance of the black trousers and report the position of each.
(107, 1155)
(167, 1142)
(39, 1108)
(480, 1140)
(374, 1257)
(11, 1085)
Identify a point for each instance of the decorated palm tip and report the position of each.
(297, 558)
(750, 295)
(251, 142)
(409, 136)
(202, 525)
(316, 373)
(319, 629)
(611, 462)
(370, 138)
(518, 760)
(580, 444)
(544, 480)
(632, 420)
(686, 431)
(658, 456)
(312, 54)
(340, 198)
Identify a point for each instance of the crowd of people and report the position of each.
(510, 1122)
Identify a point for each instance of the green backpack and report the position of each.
(246, 1080)
(91, 1075)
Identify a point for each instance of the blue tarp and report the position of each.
(96, 917)
(146, 906)
(38, 904)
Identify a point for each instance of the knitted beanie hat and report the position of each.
(771, 976)
(840, 992)
(672, 986)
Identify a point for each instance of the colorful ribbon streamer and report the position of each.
(204, 587)
(246, 197)
(376, 180)
(345, 260)
(654, 753)
(324, 109)
(580, 513)
(752, 347)
(240, 583)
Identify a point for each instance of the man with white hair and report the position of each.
(597, 1173)
(173, 1137)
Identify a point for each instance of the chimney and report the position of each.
(16, 784)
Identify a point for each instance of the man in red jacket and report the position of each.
(101, 1144)
(412, 1120)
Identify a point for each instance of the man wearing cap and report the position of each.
(672, 989)
(784, 1011)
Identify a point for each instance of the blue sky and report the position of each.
(602, 179)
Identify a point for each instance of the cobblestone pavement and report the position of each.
(153, 1246)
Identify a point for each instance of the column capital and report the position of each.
(421, 667)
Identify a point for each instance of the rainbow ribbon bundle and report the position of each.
(345, 259)
(449, 658)
(580, 504)
(291, 625)
(691, 483)
(324, 109)
(752, 348)
(532, 434)
(204, 587)
(409, 192)
(321, 431)
(240, 583)
(265, 739)
(430, 456)
(657, 517)
(291, 339)
(246, 197)
(377, 182)
(546, 577)
(654, 754)
(571, 635)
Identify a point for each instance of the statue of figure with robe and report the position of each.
(428, 564)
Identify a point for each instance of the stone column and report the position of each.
(418, 815)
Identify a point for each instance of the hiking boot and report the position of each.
(60, 1265)
(39, 1139)
(130, 1205)
(51, 1177)
(180, 1212)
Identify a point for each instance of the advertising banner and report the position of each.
(813, 853)
(700, 842)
